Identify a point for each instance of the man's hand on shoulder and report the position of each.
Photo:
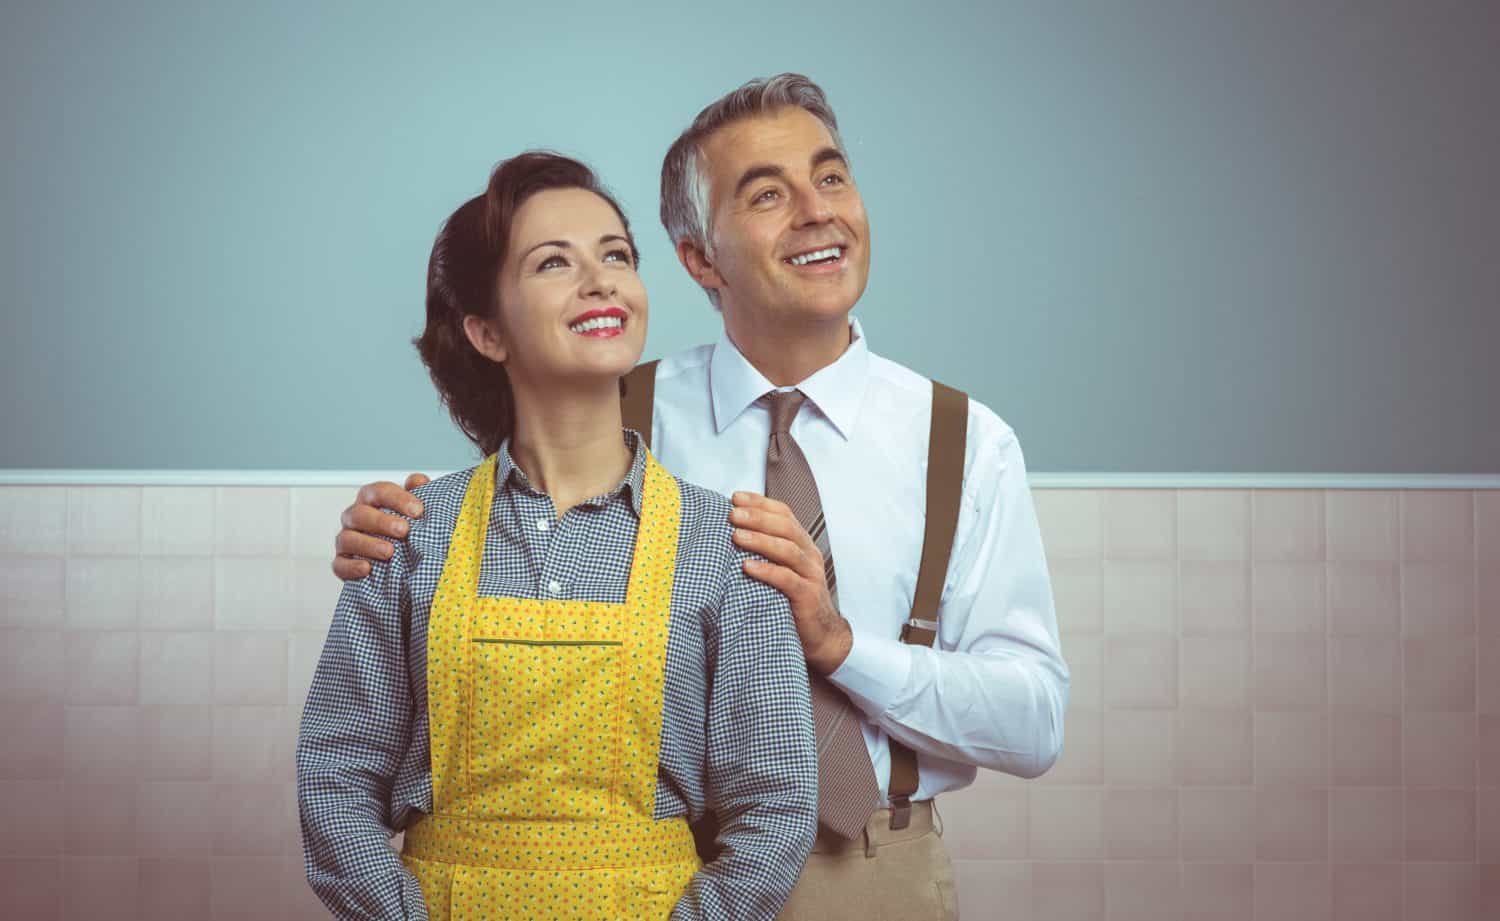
(368, 529)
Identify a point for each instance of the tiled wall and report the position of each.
(1286, 705)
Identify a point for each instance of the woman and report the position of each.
(564, 662)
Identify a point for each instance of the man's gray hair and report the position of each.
(684, 183)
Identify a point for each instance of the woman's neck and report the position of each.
(568, 442)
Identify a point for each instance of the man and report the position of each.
(758, 198)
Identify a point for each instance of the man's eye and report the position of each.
(765, 196)
(833, 179)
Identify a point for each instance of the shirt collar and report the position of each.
(838, 390)
(509, 475)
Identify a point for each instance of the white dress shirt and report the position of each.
(993, 690)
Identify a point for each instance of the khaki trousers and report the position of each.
(882, 874)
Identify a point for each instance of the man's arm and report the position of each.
(762, 762)
(368, 531)
(355, 729)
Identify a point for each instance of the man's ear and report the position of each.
(698, 265)
(484, 335)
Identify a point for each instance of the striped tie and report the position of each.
(848, 793)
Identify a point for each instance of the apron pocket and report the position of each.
(487, 894)
(543, 727)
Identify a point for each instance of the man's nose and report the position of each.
(813, 208)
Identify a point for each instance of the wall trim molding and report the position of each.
(1039, 480)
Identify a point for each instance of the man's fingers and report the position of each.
(784, 580)
(413, 481)
(349, 569)
(387, 495)
(353, 543)
(755, 500)
(372, 521)
(782, 551)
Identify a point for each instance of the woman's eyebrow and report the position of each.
(562, 243)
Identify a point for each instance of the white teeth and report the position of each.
(833, 252)
(597, 323)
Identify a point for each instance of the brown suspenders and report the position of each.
(946, 445)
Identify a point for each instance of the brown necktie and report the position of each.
(848, 793)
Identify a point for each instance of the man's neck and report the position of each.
(788, 355)
(569, 443)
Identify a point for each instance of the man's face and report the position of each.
(790, 240)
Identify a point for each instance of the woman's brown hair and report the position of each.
(462, 280)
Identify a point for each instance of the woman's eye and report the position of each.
(618, 255)
(552, 262)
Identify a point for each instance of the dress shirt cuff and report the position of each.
(875, 672)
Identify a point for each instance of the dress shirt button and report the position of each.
(554, 587)
(543, 524)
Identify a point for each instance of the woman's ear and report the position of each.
(484, 335)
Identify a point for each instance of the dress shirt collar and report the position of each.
(509, 475)
(838, 390)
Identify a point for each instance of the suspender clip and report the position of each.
(919, 632)
(900, 812)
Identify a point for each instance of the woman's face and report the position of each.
(572, 307)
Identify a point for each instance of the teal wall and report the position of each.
(1153, 236)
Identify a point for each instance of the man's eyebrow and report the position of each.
(827, 154)
(764, 171)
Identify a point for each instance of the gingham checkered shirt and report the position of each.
(737, 734)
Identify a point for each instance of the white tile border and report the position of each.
(1039, 480)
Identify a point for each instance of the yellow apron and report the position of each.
(545, 735)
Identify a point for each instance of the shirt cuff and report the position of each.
(875, 672)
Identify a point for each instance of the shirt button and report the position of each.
(543, 524)
(554, 587)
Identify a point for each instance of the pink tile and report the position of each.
(253, 593)
(1438, 598)
(31, 592)
(307, 648)
(1214, 747)
(1439, 674)
(1488, 747)
(1066, 823)
(1488, 891)
(1215, 673)
(1289, 597)
(177, 521)
(1291, 824)
(1364, 674)
(250, 668)
(315, 591)
(31, 666)
(33, 887)
(1442, 891)
(178, 742)
(101, 744)
(1085, 655)
(1067, 892)
(178, 888)
(100, 820)
(103, 593)
(33, 735)
(255, 820)
(1076, 592)
(176, 668)
(985, 884)
(1143, 890)
(1140, 824)
(986, 820)
(1488, 615)
(35, 806)
(33, 520)
(1363, 525)
(1214, 597)
(1292, 892)
(1487, 826)
(253, 744)
(1440, 825)
(253, 521)
(315, 513)
(246, 888)
(1139, 746)
(1140, 671)
(1487, 520)
(1365, 824)
(177, 594)
(1437, 525)
(1213, 524)
(1290, 671)
(1367, 892)
(1140, 524)
(101, 666)
(1487, 674)
(1142, 597)
(1072, 522)
(1287, 525)
(1217, 891)
(1437, 750)
(1217, 824)
(1081, 760)
(104, 520)
(1365, 750)
(1364, 599)
(1290, 749)
(102, 888)
(176, 818)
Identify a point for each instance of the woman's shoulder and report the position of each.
(441, 500)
